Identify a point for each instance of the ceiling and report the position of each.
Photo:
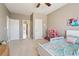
(29, 8)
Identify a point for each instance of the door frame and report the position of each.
(27, 28)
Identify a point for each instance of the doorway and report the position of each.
(26, 29)
(18, 29)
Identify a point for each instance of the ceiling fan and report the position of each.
(48, 4)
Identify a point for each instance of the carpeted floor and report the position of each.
(26, 47)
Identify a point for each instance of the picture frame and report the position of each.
(73, 21)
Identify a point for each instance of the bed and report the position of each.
(60, 47)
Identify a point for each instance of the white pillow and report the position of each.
(71, 39)
(56, 38)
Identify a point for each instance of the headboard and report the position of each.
(72, 33)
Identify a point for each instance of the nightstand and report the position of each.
(4, 50)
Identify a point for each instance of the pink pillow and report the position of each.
(71, 39)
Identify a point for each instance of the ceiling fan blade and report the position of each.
(48, 4)
(38, 5)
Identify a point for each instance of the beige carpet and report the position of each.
(26, 47)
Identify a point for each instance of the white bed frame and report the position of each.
(43, 52)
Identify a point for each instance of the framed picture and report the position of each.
(73, 21)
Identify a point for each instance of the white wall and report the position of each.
(19, 16)
(3, 21)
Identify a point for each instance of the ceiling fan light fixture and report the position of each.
(48, 4)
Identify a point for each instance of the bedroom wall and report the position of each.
(3, 21)
(58, 18)
(20, 17)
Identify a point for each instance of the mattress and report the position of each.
(60, 48)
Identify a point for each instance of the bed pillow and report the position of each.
(56, 38)
(71, 39)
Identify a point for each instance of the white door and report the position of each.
(13, 29)
(24, 31)
(38, 29)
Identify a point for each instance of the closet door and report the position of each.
(13, 29)
(38, 29)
